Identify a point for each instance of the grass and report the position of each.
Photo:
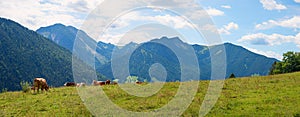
(59, 102)
(277, 95)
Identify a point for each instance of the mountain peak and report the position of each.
(167, 39)
(171, 38)
(57, 25)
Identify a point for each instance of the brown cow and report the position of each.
(114, 83)
(70, 84)
(101, 83)
(40, 83)
(138, 82)
(96, 83)
(107, 82)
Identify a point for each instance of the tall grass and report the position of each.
(26, 86)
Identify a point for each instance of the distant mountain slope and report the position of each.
(26, 55)
(243, 62)
(240, 61)
(60, 34)
(65, 36)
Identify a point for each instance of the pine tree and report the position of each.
(232, 76)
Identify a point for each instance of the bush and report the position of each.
(131, 79)
(26, 86)
(232, 76)
(297, 115)
(255, 75)
(290, 63)
(4, 90)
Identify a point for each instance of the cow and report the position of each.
(80, 84)
(70, 84)
(114, 83)
(107, 82)
(96, 83)
(138, 82)
(40, 83)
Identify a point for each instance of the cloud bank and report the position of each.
(272, 5)
(272, 40)
(293, 22)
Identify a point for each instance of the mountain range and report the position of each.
(239, 61)
(47, 52)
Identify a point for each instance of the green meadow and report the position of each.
(275, 95)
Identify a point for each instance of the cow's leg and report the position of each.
(39, 86)
(43, 87)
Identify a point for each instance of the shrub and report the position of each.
(255, 75)
(4, 90)
(232, 76)
(131, 79)
(297, 115)
(26, 86)
(290, 63)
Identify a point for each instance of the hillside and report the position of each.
(26, 55)
(276, 95)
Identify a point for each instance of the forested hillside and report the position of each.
(26, 55)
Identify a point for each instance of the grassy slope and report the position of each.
(270, 95)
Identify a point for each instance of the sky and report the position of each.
(267, 27)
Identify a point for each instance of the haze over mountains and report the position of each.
(240, 61)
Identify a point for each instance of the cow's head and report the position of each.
(47, 88)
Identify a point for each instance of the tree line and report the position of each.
(290, 63)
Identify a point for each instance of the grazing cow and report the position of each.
(40, 83)
(70, 84)
(101, 83)
(96, 83)
(107, 82)
(114, 83)
(80, 84)
(138, 82)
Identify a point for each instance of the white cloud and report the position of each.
(272, 5)
(138, 19)
(226, 6)
(270, 54)
(298, 1)
(273, 39)
(223, 30)
(227, 28)
(175, 21)
(139, 34)
(34, 14)
(211, 28)
(197, 14)
(293, 22)
(214, 12)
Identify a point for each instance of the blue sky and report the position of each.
(281, 19)
(268, 27)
